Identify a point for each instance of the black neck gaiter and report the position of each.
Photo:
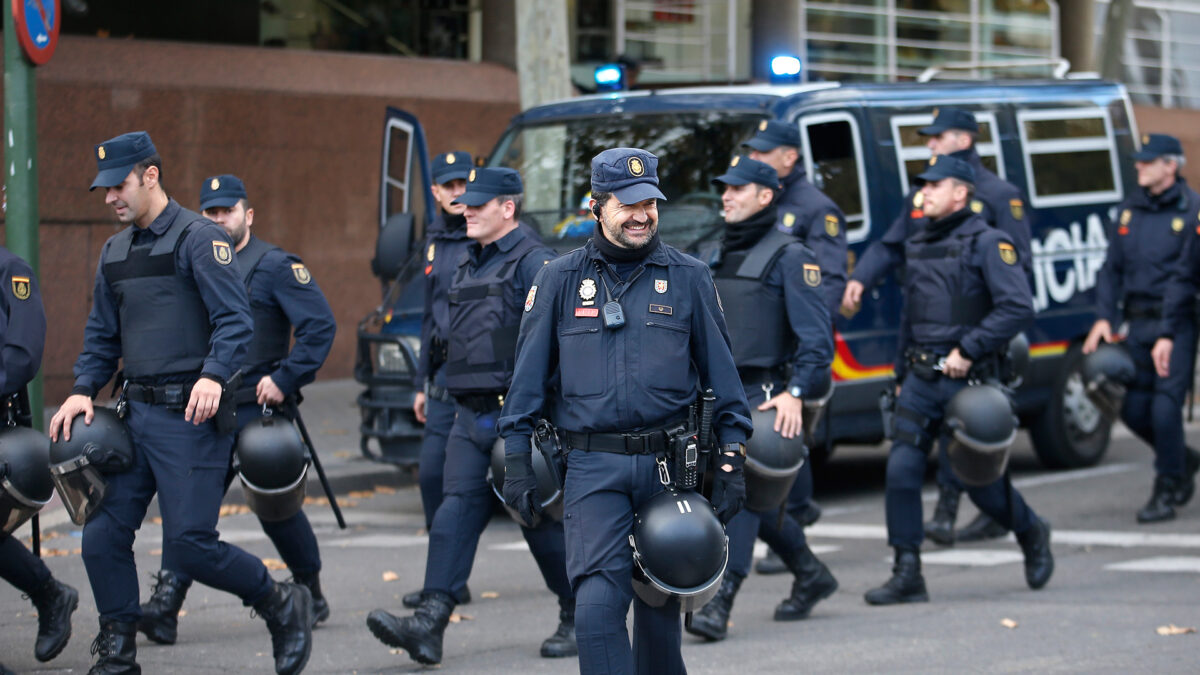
(617, 254)
(748, 232)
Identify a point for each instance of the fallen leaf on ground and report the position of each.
(361, 494)
(233, 510)
(343, 454)
(156, 520)
(489, 595)
(390, 576)
(182, 613)
(456, 617)
(385, 490)
(1172, 629)
(156, 551)
(274, 564)
(1008, 623)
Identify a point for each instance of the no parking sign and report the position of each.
(37, 23)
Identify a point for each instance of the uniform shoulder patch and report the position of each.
(530, 298)
(222, 253)
(1017, 208)
(21, 288)
(1126, 216)
(976, 206)
(831, 225)
(812, 274)
(1007, 253)
(430, 252)
(1177, 225)
(301, 273)
(789, 220)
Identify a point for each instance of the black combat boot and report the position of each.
(1187, 486)
(941, 528)
(55, 602)
(1162, 500)
(160, 614)
(814, 582)
(906, 584)
(562, 643)
(288, 611)
(312, 581)
(982, 528)
(413, 600)
(117, 646)
(712, 621)
(1039, 561)
(420, 634)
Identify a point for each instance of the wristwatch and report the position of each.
(796, 391)
(735, 448)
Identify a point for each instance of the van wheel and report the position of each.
(1071, 432)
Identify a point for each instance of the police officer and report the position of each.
(169, 301)
(1143, 245)
(777, 318)
(22, 337)
(434, 407)
(966, 296)
(485, 309)
(618, 338)
(953, 132)
(810, 215)
(282, 294)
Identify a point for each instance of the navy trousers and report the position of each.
(186, 465)
(1153, 407)
(467, 507)
(906, 469)
(439, 417)
(602, 493)
(20, 567)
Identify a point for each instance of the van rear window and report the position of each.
(913, 154)
(1070, 156)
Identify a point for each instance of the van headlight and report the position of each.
(390, 356)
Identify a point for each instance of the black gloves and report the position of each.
(520, 488)
(729, 487)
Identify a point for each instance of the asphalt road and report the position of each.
(1116, 583)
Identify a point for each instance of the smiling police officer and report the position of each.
(1143, 246)
(485, 308)
(22, 338)
(770, 285)
(965, 296)
(168, 301)
(282, 294)
(613, 385)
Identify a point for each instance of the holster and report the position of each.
(226, 417)
(887, 408)
(923, 364)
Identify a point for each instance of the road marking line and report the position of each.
(1073, 537)
(379, 541)
(1167, 563)
(972, 557)
(760, 549)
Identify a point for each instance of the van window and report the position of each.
(1070, 156)
(401, 175)
(833, 160)
(912, 154)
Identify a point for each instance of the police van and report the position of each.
(1066, 143)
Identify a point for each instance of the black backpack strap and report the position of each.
(118, 250)
(763, 254)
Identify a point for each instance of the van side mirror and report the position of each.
(392, 246)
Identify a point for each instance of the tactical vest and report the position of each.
(484, 322)
(938, 273)
(164, 323)
(756, 317)
(272, 329)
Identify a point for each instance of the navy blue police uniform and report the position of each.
(964, 288)
(283, 295)
(168, 300)
(779, 327)
(446, 245)
(1144, 244)
(595, 383)
(484, 298)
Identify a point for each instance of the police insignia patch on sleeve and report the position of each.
(301, 273)
(789, 220)
(1126, 216)
(1017, 208)
(529, 298)
(976, 206)
(812, 274)
(1007, 253)
(21, 288)
(1177, 225)
(831, 225)
(222, 253)
(429, 254)
(918, 199)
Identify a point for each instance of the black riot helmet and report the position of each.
(1016, 361)
(1107, 374)
(546, 472)
(815, 402)
(680, 550)
(78, 466)
(25, 484)
(772, 462)
(982, 429)
(272, 465)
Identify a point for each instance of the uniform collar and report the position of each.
(1174, 197)
(164, 219)
(796, 176)
(503, 245)
(657, 257)
(970, 156)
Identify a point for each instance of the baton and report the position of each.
(312, 451)
(20, 414)
(37, 535)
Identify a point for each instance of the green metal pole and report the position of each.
(20, 167)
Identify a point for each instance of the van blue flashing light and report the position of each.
(609, 77)
(785, 68)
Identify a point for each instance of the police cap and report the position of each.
(221, 191)
(451, 166)
(116, 157)
(486, 183)
(631, 174)
(743, 170)
(1157, 145)
(772, 134)
(950, 118)
(945, 166)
